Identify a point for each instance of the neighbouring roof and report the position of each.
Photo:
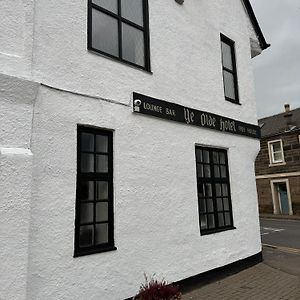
(279, 124)
(262, 41)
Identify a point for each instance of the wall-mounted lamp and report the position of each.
(179, 1)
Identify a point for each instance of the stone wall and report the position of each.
(291, 148)
(265, 200)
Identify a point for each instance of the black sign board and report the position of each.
(166, 110)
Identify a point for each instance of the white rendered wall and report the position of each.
(155, 194)
(156, 206)
(185, 55)
(16, 37)
(16, 112)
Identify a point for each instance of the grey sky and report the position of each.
(277, 69)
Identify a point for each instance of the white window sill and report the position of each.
(277, 164)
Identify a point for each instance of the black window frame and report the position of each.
(94, 176)
(231, 44)
(118, 16)
(213, 181)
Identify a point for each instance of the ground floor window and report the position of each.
(94, 196)
(214, 199)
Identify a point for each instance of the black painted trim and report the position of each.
(213, 181)
(202, 279)
(262, 41)
(94, 251)
(214, 275)
(211, 231)
(110, 246)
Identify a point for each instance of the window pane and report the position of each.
(133, 45)
(101, 211)
(101, 163)
(101, 143)
(229, 85)
(111, 5)
(86, 236)
(202, 205)
(101, 190)
(211, 221)
(86, 213)
(201, 190)
(226, 56)
(210, 205)
(206, 156)
(203, 222)
(218, 190)
(133, 11)
(215, 157)
(277, 156)
(224, 190)
(226, 203)
(223, 171)
(227, 219)
(87, 142)
(217, 171)
(87, 163)
(86, 190)
(221, 219)
(105, 33)
(276, 147)
(199, 155)
(208, 191)
(222, 158)
(207, 171)
(101, 234)
(220, 204)
(200, 171)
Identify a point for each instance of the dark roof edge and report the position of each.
(276, 115)
(280, 133)
(262, 41)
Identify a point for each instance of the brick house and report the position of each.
(277, 165)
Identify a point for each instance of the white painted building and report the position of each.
(71, 141)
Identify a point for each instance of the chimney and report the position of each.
(287, 108)
(288, 117)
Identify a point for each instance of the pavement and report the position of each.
(258, 282)
(282, 259)
(276, 278)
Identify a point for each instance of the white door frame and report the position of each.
(275, 197)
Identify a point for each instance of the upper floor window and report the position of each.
(229, 70)
(276, 152)
(119, 29)
(214, 199)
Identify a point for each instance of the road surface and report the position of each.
(281, 240)
(280, 232)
